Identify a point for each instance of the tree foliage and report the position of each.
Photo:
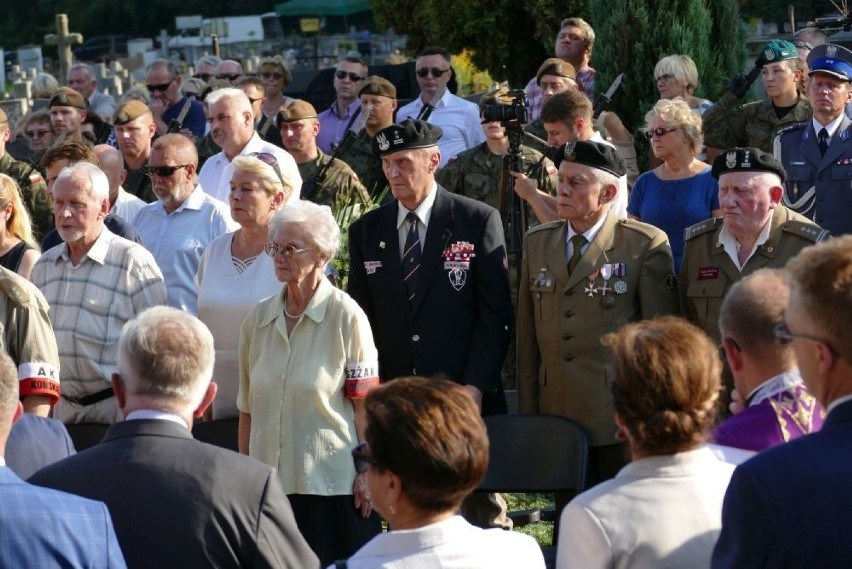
(507, 39)
(776, 10)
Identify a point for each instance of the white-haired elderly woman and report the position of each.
(681, 191)
(234, 274)
(307, 360)
(677, 76)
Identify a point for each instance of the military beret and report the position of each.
(407, 135)
(3, 117)
(375, 85)
(776, 50)
(67, 97)
(835, 60)
(593, 154)
(747, 160)
(555, 66)
(294, 110)
(129, 111)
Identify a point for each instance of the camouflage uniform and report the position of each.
(476, 173)
(138, 183)
(340, 182)
(364, 162)
(206, 148)
(728, 124)
(33, 191)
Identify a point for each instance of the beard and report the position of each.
(71, 235)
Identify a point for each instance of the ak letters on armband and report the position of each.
(361, 377)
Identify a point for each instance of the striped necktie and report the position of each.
(411, 256)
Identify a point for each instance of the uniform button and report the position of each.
(415, 338)
(568, 357)
(569, 313)
(770, 249)
(538, 296)
(566, 336)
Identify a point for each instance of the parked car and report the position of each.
(102, 48)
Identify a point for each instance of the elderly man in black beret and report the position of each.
(755, 231)
(582, 277)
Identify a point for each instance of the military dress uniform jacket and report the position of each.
(819, 187)
(459, 322)
(33, 191)
(340, 183)
(728, 123)
(562, 365)
(708, 273)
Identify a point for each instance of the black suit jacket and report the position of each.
(177, 502)
(789, 505)
(459, 323)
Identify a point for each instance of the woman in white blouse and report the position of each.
(234, 273)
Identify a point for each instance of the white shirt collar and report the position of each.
(830, 127)
(590, 233)
(423, 211)
(731, 245)
(140, 414)
(781, 382)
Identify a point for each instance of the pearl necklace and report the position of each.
(293, 316)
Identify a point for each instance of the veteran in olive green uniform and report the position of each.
(582, 277)
(729, 123)
(29, 180)
(378, 97)
(754, 232)
(326, 180)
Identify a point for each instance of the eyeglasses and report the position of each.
(229, 76)
(802, 44)
(785, 336)
(37, 133)
(272, 249)
(354, 77)
(276, 76)
(659, 131)
(361, 459)
(270, 160)
(203, 76)
(435, 71)
(163, 171)
(664, 77)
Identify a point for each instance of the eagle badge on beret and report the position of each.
(383, 141)
(768, 54)
(62, 98)
(569, 151)
(123, 117)
(731, 159)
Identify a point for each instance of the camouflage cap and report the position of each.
(557, 67)
(294, 110)
(129, 111)
(407, 135)
(776, 50)
(747, 160)
(67, 97)
(375, 85)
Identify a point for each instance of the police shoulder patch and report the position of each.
(796, 127)
(702, 227)
(806, 230)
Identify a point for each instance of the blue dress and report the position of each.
(674, 205)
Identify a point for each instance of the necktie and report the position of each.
(822, 140)
(411, 255)
(577, 243)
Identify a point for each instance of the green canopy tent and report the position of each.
(322, 7)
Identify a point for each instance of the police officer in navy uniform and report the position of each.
(817, 154)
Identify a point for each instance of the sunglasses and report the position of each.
(352, 76)
(270, 160)
(272, 249)
(161, 87)
(435, 71)
(270, 75)
(361, 459)
(802, 44)
(229, 76)
(37, 133)
(163, 171)
(203, 76)
(659, 131)
(785, 336)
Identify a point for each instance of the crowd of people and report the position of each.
(166, 261)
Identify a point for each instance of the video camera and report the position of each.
(512, 114)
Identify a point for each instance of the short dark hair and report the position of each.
(355, 59)
(434, 50)
(428, 432)
(567, 107)
(252, 80)
(70, 150)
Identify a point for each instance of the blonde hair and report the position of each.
(19, 224)
(682, 68)
(265, 174)
(676, 113)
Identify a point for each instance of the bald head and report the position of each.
(112, 164)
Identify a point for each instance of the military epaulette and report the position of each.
(645, 229)
(700, 228)
(792, 127)
(13, 289)
(806, 230)
(545, 226)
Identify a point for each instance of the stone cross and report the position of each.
(63, 40)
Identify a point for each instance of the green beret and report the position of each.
(407, 135)
(747, 160)
(375, 85)
(67, 97)
(776, 50)
(593, 154)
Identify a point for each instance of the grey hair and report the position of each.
(266, 175)
(44, 86)
(676, 113)
(315, 221)
(605, 178)
(83, 67)
(237, 96)
(167, 354)
(98, 182)
(213, 60)
(167, 63)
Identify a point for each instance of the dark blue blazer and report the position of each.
(40, 527)
(790, 506)
(178, 502)
(36, 442)
(459, 324)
